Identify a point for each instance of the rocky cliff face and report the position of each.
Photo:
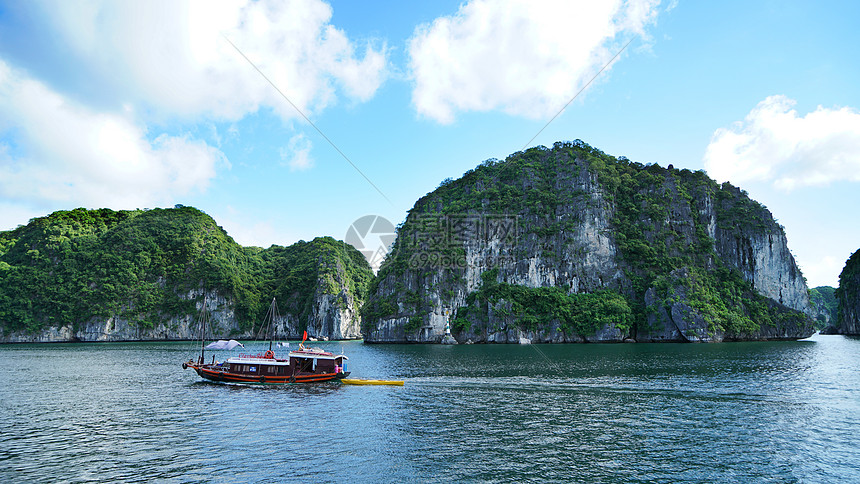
(751, 241)
(114, 328)
(571, 245)
(334, 317)
(145, 275)
(848, 296)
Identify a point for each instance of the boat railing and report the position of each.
(261, 356)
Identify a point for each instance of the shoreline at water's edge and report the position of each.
(593, 342)
(425, 342)
(178, 340)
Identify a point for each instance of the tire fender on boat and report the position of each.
(184, 366)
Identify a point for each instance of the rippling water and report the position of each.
(736, 412)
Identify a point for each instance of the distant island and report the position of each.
(561, 244)
(104, 275)
(823, 303)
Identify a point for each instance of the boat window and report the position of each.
(306, 364)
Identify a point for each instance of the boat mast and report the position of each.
(202, 332)
(273, 309)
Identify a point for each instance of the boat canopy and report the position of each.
(223, 344)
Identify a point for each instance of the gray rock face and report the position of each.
(118, 329)
(760, 251)
(573, 246)
(334, 317)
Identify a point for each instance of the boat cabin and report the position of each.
(315, 361)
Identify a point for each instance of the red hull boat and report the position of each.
(306, 365)
(302, 366)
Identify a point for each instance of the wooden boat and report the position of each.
(305, 365)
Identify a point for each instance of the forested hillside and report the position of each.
(151, 268)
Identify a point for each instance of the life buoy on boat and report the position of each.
(270, 354)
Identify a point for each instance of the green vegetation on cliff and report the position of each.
(822, 300)
(582, 313)
(848, 296)
(663, 223)
(654, 247)
(71, 266)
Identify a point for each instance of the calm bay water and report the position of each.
(732, 412)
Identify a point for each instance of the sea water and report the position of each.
(730, 412)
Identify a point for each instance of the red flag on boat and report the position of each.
(304, 336)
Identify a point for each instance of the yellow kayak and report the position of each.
(355, 381)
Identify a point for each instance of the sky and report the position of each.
(288, 120)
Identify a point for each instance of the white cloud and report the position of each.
(297, 155)
(66, 152)
(168, 63)
(527, 58)
(774, 144)
(173, 56)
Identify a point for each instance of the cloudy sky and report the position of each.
(290, 120)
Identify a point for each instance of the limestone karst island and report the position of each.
(563, 244)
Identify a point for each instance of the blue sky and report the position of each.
(146, 104)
